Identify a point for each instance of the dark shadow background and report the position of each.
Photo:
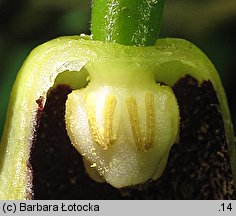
(24, 24)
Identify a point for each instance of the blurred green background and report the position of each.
(24, 24)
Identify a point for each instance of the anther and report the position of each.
(144, 140)
(92, 120)
(108, 114)
(150, 119)
(103, 137)
(134, 121)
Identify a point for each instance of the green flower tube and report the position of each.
(140, 114)
(128, 22)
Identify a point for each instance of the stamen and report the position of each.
(134, 121)
(92, 120)
(104, 136)
(150, 118)
(143, 141)
(108, 113)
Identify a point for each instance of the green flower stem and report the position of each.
(127, 22)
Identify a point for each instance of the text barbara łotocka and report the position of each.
(15, 207)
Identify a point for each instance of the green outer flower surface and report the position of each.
(172, 59)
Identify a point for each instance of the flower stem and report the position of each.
(128, 22)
